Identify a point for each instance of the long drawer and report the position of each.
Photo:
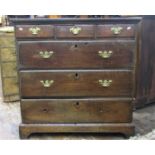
(74, 83)
(76, 111)
(77, 54)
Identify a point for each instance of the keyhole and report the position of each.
(75, 45)
(77, 103)
(45, 110)
(76, 75)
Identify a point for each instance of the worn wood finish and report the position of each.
(23, 31)
(76, 83)
(77, 54)
(76, 111)
(75, 100)
(149, 51)
(145, 72)
(151, 97)
(128, 30)
(127, 129)
(70, 21)
(145, 92)
(63, 31)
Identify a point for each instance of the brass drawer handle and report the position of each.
(47, 83)
(116, 30)
(34, 30)
(105, 83)
(105, 54)
(75, 30)
(46, 54)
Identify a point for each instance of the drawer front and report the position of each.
(9, 69)
(10, 86)
(76, 83)
(77, 54)
(120, 30)
(34, 31)
(8, 54)
(76, 111)
(75, 31)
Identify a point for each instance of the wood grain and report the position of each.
(76, 84)
(102, 31)
(77, 54)
(63, 31)
(76, 111)
(124, 128)
(46, 31)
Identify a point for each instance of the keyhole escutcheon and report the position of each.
(76, 76)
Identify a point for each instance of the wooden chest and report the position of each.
(77, 75)
(8, 67)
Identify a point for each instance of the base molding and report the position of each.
(126, 129)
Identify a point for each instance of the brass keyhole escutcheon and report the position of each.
(45, 110)
(76, 76)
(77, 103)
(75, 46)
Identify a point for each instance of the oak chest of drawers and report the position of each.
(77, 75)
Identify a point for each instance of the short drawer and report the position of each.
(77, 54)
(75, 31)
(119, 30)
(76, 83)
(76, 111)
(34, 31)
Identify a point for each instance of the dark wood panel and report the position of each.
(77, 54)
(76, 83)
(113, 20)
(145, 92)
(149, 51)
(34, 31)
(75, 31)
(115, 30)
(76, 111)
(124, 128)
